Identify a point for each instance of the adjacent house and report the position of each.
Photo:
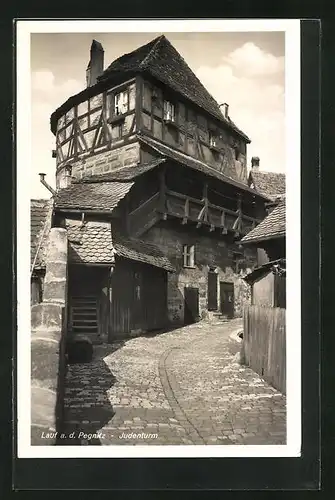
(264, 333)
(268, 281)
(271, 184)
(152, 189)
(40, 222)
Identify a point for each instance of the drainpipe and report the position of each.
(45, 184)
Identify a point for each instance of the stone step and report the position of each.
(81, 313)
(84, 321)
(80, 307)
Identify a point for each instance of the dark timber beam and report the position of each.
(162, 192)
(223, 223)
(205, 201)
(186, 211)
(237, 227)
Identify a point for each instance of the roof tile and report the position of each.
(271, 184)
(191, 162)
(40, 221)
(273, 226)
(138, 250)
(90, 243)
(93, 243)
(102, 197)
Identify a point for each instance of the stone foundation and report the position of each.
(48, 320)
(210, 251)
(101, 163)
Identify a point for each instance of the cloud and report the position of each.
(254, 61)
(47, 95)
(256, 104)
(45, 87)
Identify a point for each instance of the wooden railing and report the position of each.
(143, 216)
(188, 209)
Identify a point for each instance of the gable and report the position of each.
(273, 226)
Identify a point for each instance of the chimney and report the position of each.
(96, 65)
(225, 110)
(255, 163)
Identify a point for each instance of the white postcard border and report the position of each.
(291, 27)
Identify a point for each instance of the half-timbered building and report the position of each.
(152, 188)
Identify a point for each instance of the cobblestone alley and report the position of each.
(180, 387)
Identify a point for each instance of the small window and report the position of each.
(213, 141)
(238, 261)
(169, 111)
(188, 255)
(121, 103)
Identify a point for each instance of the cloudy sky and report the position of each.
(246, 70)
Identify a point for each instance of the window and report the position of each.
(237, 261)
(169, 111)
(213, 142)
(121, 103)
(188, 255)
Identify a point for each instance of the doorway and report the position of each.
(227, 299)
(84, 300)
(191, 305)
(212, 292)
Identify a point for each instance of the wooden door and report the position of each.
(227, 299)
(191, 305)
(137, 312)
(212, 292)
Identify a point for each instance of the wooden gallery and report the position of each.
(152, 189)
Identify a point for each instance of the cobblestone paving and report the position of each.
(181, 387)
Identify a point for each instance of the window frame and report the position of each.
(166, 116)
(125, 102)
(213, 140)
(188, 256)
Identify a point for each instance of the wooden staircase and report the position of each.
(84, 317)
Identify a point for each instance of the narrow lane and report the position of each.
(180, 387)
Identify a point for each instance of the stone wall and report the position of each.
(210, 252)
(48, 320)
(101, 163)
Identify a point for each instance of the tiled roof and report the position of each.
(93, 243)
(102, 197)
(273, 226)
(138, 250)
(271, 184)
(90, 243)
(191, 162)
(163, 61)
(122, 174)
(40, 220)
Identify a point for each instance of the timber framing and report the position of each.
(166, 202)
